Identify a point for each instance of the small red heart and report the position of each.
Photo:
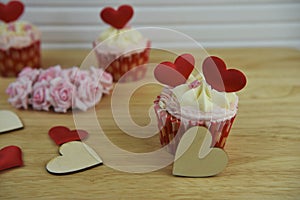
(176, 73)
(11, 11)
(117, 18)
(10, 156)
(220, 78)
(61, 135)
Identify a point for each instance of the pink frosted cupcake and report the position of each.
(195, 103)
(120, 49)
(19, 44)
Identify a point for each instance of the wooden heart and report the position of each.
(220, 78)
(117, 18)
(10, 156)
(9, 121)
(11, 11)
(176, 73)
(75, 156)
(195, 158)
(61, 134)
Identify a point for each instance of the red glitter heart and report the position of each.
(11, 11)
(176, 73)
(10, 156)
(61, 134)
(117, 18)
(220, 78)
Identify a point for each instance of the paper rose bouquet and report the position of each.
(60, 89)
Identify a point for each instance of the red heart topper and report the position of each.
(117, 18)
(61, 135)
(220, 78)
(10, 156)
(11, 11)
(176, 73)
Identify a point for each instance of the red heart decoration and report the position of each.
(10, 156)
(61, 135)
(11, 11)
(220, 78)
(117, 18)
(176, 73)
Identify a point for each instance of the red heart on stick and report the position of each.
(10, 156)
(220, 78)
(11, 11)
(176, 73)
(117, 18)
(61, 135)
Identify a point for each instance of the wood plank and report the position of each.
(253, 32)
(211, 14)
(206, 44)
(152, 2)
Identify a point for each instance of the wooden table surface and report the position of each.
(264, 161)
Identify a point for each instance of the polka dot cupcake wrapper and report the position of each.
(13, 60)
(129, 68)
(125, 68)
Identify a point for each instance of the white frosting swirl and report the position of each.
(18, 34)
(199, 94)
(197, 100)
(121, 41)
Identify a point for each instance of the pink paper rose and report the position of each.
(61, 92)
(70, 74)
(89, 93)
(40, 99)
(31, 74)
(50, 73)
(104, 78)
(75, 75)
(19, 92)
(81, 77)
(58, 88)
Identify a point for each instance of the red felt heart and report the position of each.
(117, 18)
(11, 11)
(10, 156)
(220, 78)
(61, 134)
(176, 73)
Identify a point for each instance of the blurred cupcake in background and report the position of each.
(120, 49)
(19, 41)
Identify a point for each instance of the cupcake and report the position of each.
(19, 42)
(120, 49)
(197, 103)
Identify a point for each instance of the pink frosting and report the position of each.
(18, 34)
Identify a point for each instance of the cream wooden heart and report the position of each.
(9, 121)
(75, 156)
(195, 158)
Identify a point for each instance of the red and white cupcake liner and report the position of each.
(127, 68)
(171, 128)
(13, 60)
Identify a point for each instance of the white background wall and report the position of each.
(214, 23)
